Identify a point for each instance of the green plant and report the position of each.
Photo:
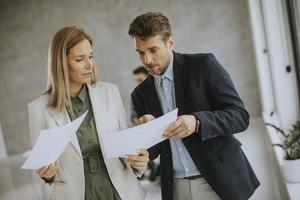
(291, 141)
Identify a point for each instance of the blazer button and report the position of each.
(167, 155)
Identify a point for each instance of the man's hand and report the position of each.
(184, 126)
(140, 161)
(48, 172)
(144, 119)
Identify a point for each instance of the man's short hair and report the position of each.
(140, 70)
(150, 24)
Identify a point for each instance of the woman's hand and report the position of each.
(144, 119)
(48, 172)
(140, 161)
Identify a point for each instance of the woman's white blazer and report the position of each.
(109, 116)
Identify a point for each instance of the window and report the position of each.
(293, 11)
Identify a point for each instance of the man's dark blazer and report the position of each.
(204, 89)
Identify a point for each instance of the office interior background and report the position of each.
(257, 41)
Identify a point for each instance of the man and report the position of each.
(201, 159)
(139, 75)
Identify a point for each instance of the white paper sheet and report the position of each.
(127, 142)
(51, 143)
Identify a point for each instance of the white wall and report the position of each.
(221, 27)
(3, 153)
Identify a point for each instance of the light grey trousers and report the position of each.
(197, 189)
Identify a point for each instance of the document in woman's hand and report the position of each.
(51, 143)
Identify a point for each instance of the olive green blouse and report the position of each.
(97, 182)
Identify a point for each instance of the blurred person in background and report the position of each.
(83, 172)
(139, 75)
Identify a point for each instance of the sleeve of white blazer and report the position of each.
(37, 123)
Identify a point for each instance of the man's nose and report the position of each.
(148, 59)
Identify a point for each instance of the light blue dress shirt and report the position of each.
(183, 165)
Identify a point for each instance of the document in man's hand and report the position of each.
(127, 142)
(51, 143)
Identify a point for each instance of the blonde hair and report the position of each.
(58, 87)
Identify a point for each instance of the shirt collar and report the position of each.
(83, 93)
(169, 74)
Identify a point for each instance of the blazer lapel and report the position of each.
(180, 72)
(152, 97)
(99, 102)
(98, 99)
(61, 119)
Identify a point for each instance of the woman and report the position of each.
(83, 171)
